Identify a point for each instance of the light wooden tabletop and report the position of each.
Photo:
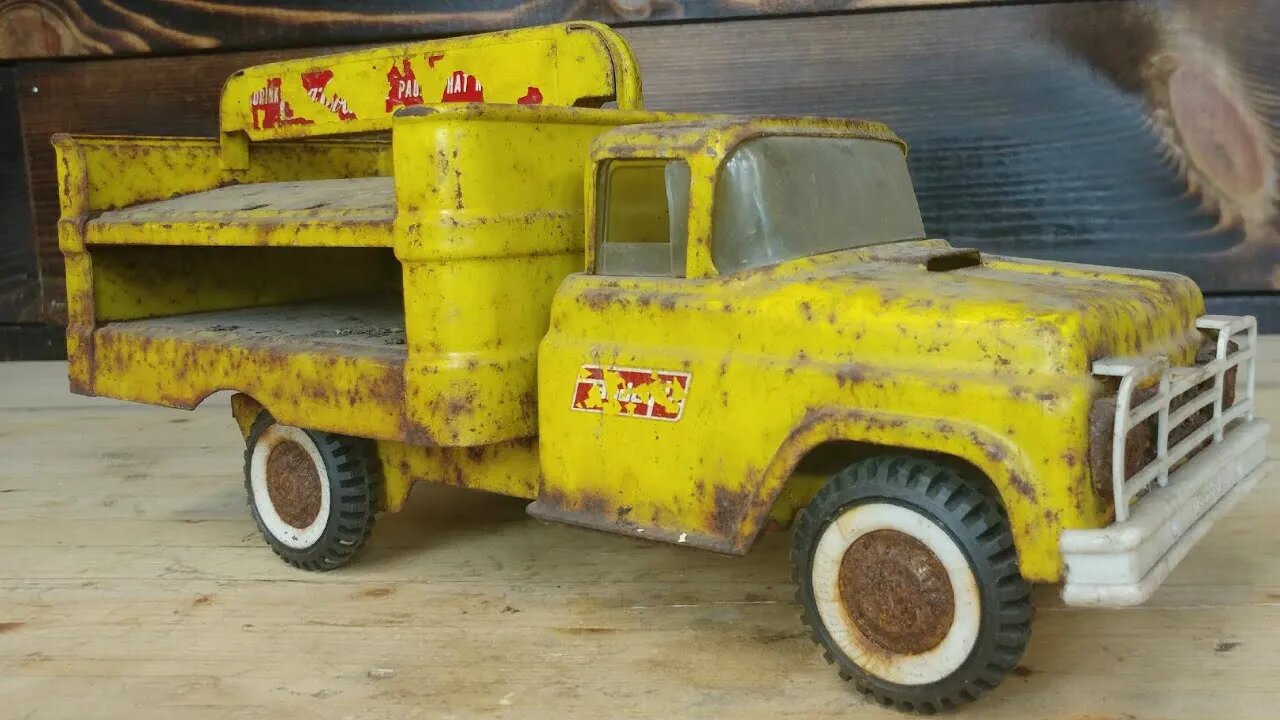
(133, 583)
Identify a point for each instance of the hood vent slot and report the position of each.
(953, 260)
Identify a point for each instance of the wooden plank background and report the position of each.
(1119, 132)
(133, 584)
(60, 28)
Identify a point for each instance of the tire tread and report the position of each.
(974, 518)
(355, 484)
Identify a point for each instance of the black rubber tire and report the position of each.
(355, 487)
(975, 520)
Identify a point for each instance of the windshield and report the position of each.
(786, 197)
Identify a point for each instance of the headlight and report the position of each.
(1205, 355)
(1140, 446)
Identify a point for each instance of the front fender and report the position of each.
(1001, 461)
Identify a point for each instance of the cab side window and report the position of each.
(643, 216)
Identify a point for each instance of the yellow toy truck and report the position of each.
(672, 326)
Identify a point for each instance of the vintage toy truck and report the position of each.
(673, 326)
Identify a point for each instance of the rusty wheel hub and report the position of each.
(293, 484)
(897, 592)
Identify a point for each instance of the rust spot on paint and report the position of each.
(594, 504)
(994, 452)
(202, 600)
(728, 508)
(851, 374)
(596, 300)
(1023, 487)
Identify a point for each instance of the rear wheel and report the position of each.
(313, 494)
(909, 581)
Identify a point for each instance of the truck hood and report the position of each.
(1012, 315)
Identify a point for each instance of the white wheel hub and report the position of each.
(290, 486)
(896, 593)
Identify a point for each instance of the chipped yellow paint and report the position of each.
(489, 253)
(509, 468)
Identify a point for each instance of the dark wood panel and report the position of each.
(19, 278)
(32, 342)
(1265, 307)
(59, 28)
(1116, 133)
(1140, 134)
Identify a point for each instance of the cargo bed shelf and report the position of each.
(368, 328)
(355, 212)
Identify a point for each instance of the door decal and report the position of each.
(634, 392)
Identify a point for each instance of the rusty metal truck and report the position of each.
(481, 262)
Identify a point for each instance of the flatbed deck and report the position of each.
(351, 212)
(370, 328)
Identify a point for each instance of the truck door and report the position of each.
(621, 418)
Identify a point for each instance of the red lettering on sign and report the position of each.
(532, 97)
(402, 87)
(314, 83)
(433, 59)
(274, 110)
(461, 87)
(635, 392)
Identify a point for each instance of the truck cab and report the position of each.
(765, 330)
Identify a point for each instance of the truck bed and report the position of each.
(352, 211)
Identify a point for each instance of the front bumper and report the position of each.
(1124, 563)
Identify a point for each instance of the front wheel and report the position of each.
(909, 580)
(313, 494)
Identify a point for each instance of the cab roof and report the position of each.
(717, 135)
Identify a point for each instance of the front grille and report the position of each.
(1142, 433)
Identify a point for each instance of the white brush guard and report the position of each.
(1182, 494)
